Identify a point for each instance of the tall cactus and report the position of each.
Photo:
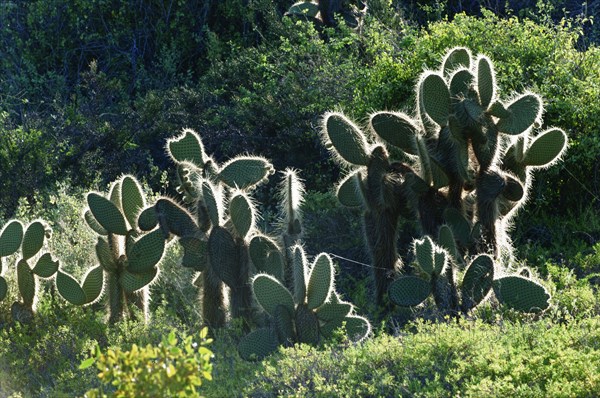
(466, 163)
(128, 257)
(308, 313)
(30, 240)
(216, 233)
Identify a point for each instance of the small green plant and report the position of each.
(176, 367)
(462, 169)
(30, 240)
(128, 257)
(311, 314)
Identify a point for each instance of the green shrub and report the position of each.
(173, 368)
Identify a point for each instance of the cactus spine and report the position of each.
(128, 257)
(309, 313)
(466, 169)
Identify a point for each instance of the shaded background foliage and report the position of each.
(91, 89)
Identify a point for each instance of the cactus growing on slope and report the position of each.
(128, 257)
(30, 240)
(308, 313)
(465, 162)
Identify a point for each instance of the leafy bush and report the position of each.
(173, 368)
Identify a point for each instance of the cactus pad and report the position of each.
(284, 325)
(147, 219)
(524, 111)
(397, 129)
(146, 252)
(424, 250)
(187, 148)
(348, 190)
(486, 82)
(265, 256)
(357, 327)
(545, 148)
(93, 223)
(270, 293)
(477, 281)
(300, 272)
(45, 266)
(446, 240)
(174, 218)
(521, 294)
(132, 199)
(223, 255)
(69, 289)
(241, 212)
(244, 172)
(460, 83)
(133, 281)
(304, 8)
(33, 239)
(434, 98)
(93, 281)
(330, 311)
(3, 288)
(11, 238)
(459, 57)
(320, 281)
(348, 141)
(459, 225)
(26, 282)
(307, 325)
(104, 255)
(211, 196)
(194, 253)
(258, 344)
(513, 190)
(409, 291)
(107, 214)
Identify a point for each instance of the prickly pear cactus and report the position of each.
(466, 164)
(128, 256)
(32, 264)
(308, 315)
(216, 232)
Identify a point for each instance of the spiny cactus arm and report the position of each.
(457, 57)
(409, 291)
(258, 344)
(132, 199)
(187, 147)
(320, 281)
(266, 256)
(245, 172)
(397, 129)
(434, 98)
(45, 267)
(477, 281)
(348, 190)
(524, 111)
(107, 214)
(345, 140)
(33, 239)
(546, 148)
(26, 282)
(486, 81)
(11, 238)
(145, 253)
(88, 293)
(270, 293)
(242, 213)
(521, 294)
(291, 195)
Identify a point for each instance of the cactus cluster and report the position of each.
(216, 233)
(437, 276)
(128, 256)
(308, 313)
(460, 167)
(30, 240)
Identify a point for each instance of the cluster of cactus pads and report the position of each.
(30, 240)
(128, 256)
(461, 168)
(308, 313)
